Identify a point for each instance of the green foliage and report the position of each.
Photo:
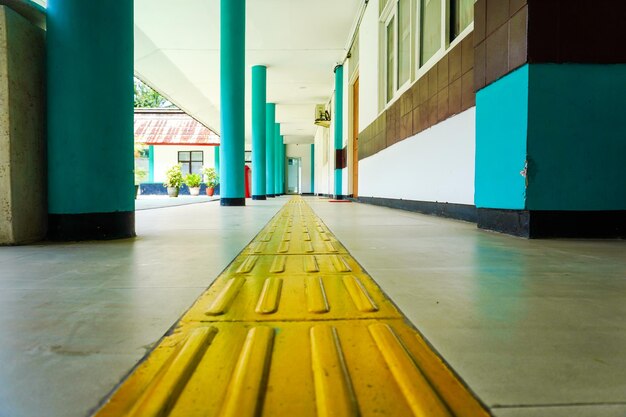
(211, 177)
(174, 177)
(145, 97)
(193, 180)
(140, 175)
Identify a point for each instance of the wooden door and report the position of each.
(355, 138)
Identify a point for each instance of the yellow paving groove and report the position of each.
(293, 327)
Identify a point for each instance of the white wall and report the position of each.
(368, 66)
(434, 165)
(302, 151)
(322, 161)
(167, 155)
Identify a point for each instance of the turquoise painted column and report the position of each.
(90, 119)
(277, 154)
(284, 158)
(216, 164)
(313, 168)
(232, 96)
(151, 163)
(259, 93)
(281, 163)
(270, 165)
(338, 129)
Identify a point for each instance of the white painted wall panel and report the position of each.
(368, 66)
(435, 165)
(167, 155)
(322, 161)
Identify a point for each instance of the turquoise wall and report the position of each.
(577, 137)
(90, 106)
(501, 132)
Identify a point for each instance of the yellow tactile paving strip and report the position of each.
(293, 327)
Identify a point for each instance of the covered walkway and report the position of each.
(532, 327)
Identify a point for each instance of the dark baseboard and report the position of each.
(232, 202)
(270, 195)
(307, 194)
(259, 197)
(91, 226)
(449, 210)
(554, 224)
(512, 222)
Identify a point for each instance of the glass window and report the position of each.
(191, 161)
(404, 41)
(391, 58)
(461, 15)
(431, 29)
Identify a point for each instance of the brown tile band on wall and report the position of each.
(445, 90)
(500, 39)
(341, 160)
(511, 33)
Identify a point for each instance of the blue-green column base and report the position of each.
(536, 224)
(550, 151)
(230, 202)
(91, 226)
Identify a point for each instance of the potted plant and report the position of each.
(211, 180)
(140, 175)
(193, 181)
(173, 180)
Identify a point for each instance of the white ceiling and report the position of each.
(300, 41)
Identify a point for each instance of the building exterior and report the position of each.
(456, 157)
(165, 137)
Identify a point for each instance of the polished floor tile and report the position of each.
(76, 317)
(524, 322)
(536, 328)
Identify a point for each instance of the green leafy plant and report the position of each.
(193, 180)
(174, 177)
(211, 177)
(140, 175)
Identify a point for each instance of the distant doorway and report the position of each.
(294, 175)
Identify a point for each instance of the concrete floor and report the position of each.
(75, 318)
(536, 328)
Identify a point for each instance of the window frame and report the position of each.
(391, 11)
(418, 70)
(190, 152)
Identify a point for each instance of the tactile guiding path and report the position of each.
(293, 327)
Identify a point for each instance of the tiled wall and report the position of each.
(580, 31)
(500, 33)
(511, 33)
(445, 90)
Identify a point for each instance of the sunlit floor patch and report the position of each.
(293, 327)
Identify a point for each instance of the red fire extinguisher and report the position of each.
(248, 181)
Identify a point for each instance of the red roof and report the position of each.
(171, 127)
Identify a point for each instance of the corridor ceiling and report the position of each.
(300, 41)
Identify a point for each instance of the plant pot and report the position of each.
(210, 191)
(195, 191)
(172, 191)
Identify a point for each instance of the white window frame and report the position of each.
(407, 83)
(390, 12)
(445, 39)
